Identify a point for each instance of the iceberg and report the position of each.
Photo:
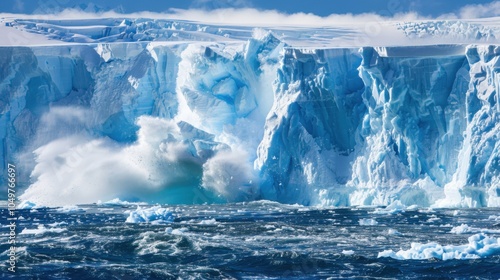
(154, 215)
(215, 114)
(464, 228)
(370, 128)
(479, 246)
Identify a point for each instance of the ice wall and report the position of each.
(214, 122)
(412, 124)
(476, 181)
(157, 122)
(311, 130)
(412, 128)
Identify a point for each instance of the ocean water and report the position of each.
(257, 240)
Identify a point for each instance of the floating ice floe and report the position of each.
(368, 222)
(464, 228)
(117, 201)
(348, 252)
(176, 231)
(392, 231)
(208, 222)
(41, 230)
(480, 246)
(154, 215)
(69, 209)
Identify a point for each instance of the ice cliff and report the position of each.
(210, 122)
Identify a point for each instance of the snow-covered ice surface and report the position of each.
(340, 33)
(255, 240)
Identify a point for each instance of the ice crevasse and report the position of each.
(215, 122)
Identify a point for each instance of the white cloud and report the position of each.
(240, 12)
(480, 11)
(234, 16)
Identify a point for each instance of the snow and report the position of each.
(175, 111)
(155, 215)
(479, 246)
(19, 37)
(453, 31)
(320, 33)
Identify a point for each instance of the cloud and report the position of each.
(273, 17)
(242, 12)
(234, 16)
(480, 11)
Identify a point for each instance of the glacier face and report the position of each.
(311, 130)
(212, 122)
(476, 181)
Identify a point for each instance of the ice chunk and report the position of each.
(464, 228)
(368, 222)
(117, 201)
(392, 231)
(393, 208)
(41, 230)
(69, 209)
(348, 252)
(479, 246)
(155, 215)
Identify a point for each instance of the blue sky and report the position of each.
(319, 7)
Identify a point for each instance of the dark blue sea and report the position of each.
(257, 240)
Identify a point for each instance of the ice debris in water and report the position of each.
(117, 201)
(69, 209)
(154, 215)
(41, 230)
(480, 246)
(176, 231)
(348, 252)
(208, 222)
(392, 231)
(464, 228)
(393, 208)
(368, 222)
